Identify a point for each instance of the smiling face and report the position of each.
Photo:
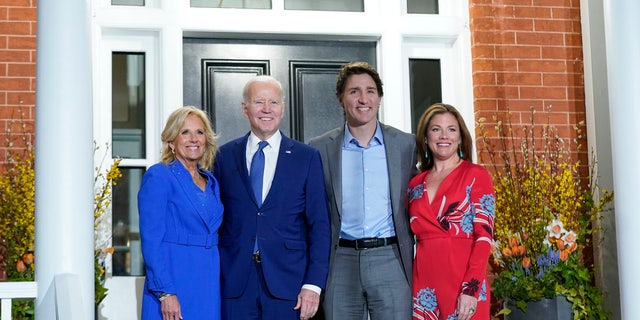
(191, 140)
(264, 108)
(360, 100)
(443, 136)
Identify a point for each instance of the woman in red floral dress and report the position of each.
(451, 207)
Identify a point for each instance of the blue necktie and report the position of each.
(257, 171)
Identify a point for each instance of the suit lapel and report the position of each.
(285, 156)
(240, 155)
(335, 165)
(394, 160)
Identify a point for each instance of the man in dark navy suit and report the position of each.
(274, 244)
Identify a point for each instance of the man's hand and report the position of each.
(308, 302)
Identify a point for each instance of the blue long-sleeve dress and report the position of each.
(179, 232)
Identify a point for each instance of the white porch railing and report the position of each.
(15, 290)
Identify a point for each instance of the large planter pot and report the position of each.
(558, 308)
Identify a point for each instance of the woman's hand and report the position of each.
(466, 306)
(170, 308)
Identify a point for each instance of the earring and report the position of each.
(173, 151)
(460, 153)
(426, 155)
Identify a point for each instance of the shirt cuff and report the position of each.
(313, 288)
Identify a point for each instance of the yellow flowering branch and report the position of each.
(104, 182)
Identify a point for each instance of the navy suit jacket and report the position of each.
(292, 225)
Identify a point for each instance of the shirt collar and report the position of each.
(274, 140)
(377, 139)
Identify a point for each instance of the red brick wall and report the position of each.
(17, 74)
(528, 54)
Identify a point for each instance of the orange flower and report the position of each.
(519, 250)
(526, 262)
(506, 252)
(560, 244)
(27, 258)
(572, 247)
(109, 250)
(20, 266)
(564, 255)
(513, 241)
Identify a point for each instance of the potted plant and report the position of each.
(545, 208)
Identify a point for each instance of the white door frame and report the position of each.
(158, 29)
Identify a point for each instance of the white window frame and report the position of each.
(136, 42)
(158, 29)
(121, 289)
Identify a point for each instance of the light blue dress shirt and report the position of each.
(366, 203)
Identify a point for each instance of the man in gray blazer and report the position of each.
(367, 166)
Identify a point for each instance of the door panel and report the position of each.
(223, 83)
(215, 71)
(313, 109)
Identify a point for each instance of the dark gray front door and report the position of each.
(215, 71)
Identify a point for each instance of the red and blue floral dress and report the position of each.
(454, 234)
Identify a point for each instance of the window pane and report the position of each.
(239, 4)
(128, 105)
(422, 6)
(127, 2)
(426, 87)
(325, 5)
(127, 255)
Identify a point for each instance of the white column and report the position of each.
(599, 142)
(64, 162)
(621, 20)
(390, 68)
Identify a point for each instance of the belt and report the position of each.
(367, 243)
(256, 257)
(200, 240)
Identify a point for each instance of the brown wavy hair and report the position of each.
(426, 163)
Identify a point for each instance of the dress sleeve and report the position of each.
(153, 198)
(481, 196)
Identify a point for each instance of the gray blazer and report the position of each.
(400, 148)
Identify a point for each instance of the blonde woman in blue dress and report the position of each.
(180, 212)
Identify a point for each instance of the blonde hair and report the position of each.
(172, 129)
